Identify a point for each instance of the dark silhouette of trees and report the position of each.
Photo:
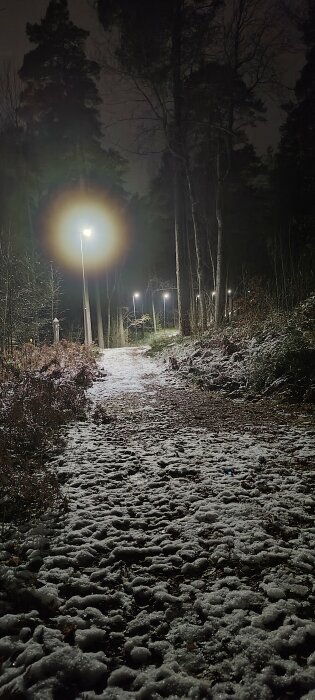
(292, 180)
(53, 137)
(297, 147)
(59, 99)
(159, 44)
(202, 68)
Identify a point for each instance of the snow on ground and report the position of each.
(183, 567)
(129, 377)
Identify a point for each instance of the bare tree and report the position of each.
(158, 63)
(253, 38)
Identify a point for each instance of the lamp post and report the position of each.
(86, 232)
(213, 305)
(230, 303)
(134, 297)
(165, 296)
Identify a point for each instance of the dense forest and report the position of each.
(157, 351)
(217, 219)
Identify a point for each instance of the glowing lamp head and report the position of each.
(94, 218)
(229, 291)
(136, 295)
(87, 232)
(166, 295)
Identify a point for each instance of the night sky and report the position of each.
(118, 104)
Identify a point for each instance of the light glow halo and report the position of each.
(95, 219)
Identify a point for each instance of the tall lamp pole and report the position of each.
(165, 296)
(134, 297)
(86, 232)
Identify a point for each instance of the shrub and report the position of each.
(286, 360)
(41, 389)
(161, 341)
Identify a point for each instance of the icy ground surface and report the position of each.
(184, 565)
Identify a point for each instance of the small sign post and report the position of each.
(56, 326)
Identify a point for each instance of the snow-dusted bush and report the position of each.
(66, 359)
(40, 390)
(287, 355)
(162, 340)
(286, 361)
(262, 353)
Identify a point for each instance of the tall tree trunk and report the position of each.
(99, 319)
(198, 248)
(6, 257)
(154, 314)
(88, 339)
(221, 257)
(121, 331)
(108, 312)
(183, 287)
(193, 300)
(211, 257)
(179, 189)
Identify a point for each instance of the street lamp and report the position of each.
(165, 296)
(134, 297)
(230, 302)
(86, 232)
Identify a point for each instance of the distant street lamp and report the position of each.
(134, 297)
(230, 303)
(165, 296)
(86, 232)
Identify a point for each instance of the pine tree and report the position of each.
(294, 180)
(59, 100)
(59, 113)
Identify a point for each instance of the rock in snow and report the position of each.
(184, 565)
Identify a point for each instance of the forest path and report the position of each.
(183, 566)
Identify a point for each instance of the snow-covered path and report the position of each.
(183, 566)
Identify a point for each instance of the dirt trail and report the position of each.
(183, 567)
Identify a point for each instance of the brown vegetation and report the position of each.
(41, 389)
